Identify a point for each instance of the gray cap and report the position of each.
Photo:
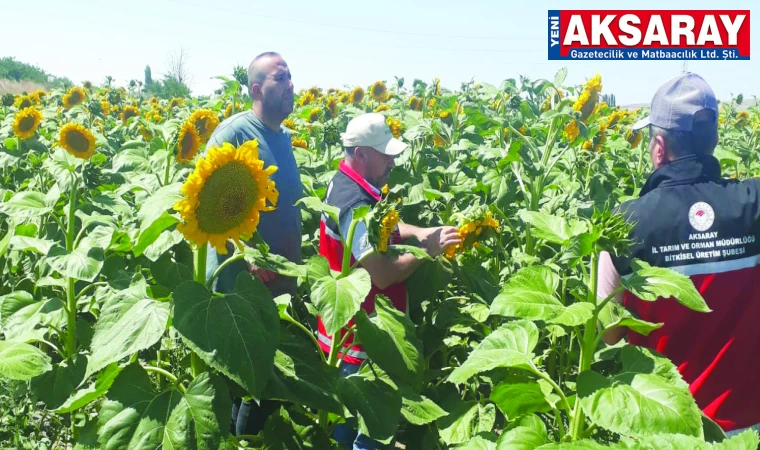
(677, 101)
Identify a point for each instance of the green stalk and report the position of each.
(168, 165)
(196, 363)
(221, 267)
(346, 263)
(71, 300)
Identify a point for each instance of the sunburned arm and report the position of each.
(609, 282)
(387, 270)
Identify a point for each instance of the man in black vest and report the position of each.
(690, 220)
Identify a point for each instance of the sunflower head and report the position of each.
(23, 101)
(378, 91)
(415, 103)
(87, 84)
(288, 123)
(332, 106)
(472, 232)
(357, 95)
(395, 126)
(315, 92)
(105, 107)
(176, 102)
(26, 122)
(147, 133)
(224, 196)
(205, 122)
(446, 117)
(634, 137)
(8, 99)
(77, 140)
(38, 95)
(128, 112)
(74, 97)
(188, 142)
(307, 98)
(301, 143)
(572, 131)
(382, 108)
(314, 115)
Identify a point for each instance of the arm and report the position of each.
(608, 282)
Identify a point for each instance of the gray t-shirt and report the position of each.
(281, 228)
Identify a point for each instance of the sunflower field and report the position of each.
(111, 337)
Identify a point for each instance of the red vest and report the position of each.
(349, 190)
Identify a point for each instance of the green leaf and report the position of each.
(428, 279)
(465, 420)
(748, 440)
(527, 433)
(165, 241)
(20, 315)
(158, 204)
(127, 324)
(6, 240)
(338, 300)
(236, 334)
(575, 314)
(170, 273)
(517, 399)
(134, 416)
(316, 204)
(20, 361)
(477, 443)
(511, 345)
(417, 252)
(149, 235)
(390, 341)
(84, 263)
(615, 315)
(301, 376)
(24, 243)
(84, 396)
(55, 387)
(376, 404)
(317, 267)
(27, 204)
(650, 283)
(529, 294)
(551, 228)
(275, 263)
(583, 444)
(418, 409)
(560, 76)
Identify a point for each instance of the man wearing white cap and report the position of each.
(370, 150)
(687, 218)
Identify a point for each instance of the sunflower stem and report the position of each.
(346, 266)
(221, 267)
(71, 300)
(168, 165)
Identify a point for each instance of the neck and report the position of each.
(273, 124)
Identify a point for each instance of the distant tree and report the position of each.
(148, 76)
(178, 66)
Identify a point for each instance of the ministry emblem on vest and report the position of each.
(701, 216)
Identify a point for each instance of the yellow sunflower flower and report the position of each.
(147, 133)
(176, 102)
(587, 100)
(357, 95)
(300, 143)
(87, 84)
(446, 117)
(306, 99)
(473, 228)
(188, 142)
(74, 97)
(315, 92)
(23, 101)
(431, 103)
(205, 122)
(26, 122)
(415, 104)
(77, 140)
(571, 131)
(225, 195)
(314, 115)
(37, 95)
(382, 107)
(387, 226)
(395, 126)
(378, 91)
(634, 137)
(384, 190)
(105, 107)
(288, 123)
(332, 106)
(128, 112)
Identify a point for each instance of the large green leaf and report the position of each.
(529, 294)
(129, 322)
(338, 300)
(28, 204)
(275, 263)
(418, 409)
(552, 228)
(157, 205)
(316, 204)
(477, 443)
(615, 315)
(134, 416)
(517, 399)
(301, 376)
(55, 386)
(376, 403)
(149, 235)
(21, 314)
(86, 395)
(650, 283)
(25, 243)
(236, 334)
(428, 279)
(84, 263)
(528, 433)
(21, 361)
(511, 345)
(465, 420)
(390, 341)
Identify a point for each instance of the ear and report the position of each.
(255, 90)
(658, 151)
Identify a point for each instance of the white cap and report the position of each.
(370, 130)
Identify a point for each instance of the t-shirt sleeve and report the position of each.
(361, 245)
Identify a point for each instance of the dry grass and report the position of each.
(17, 87)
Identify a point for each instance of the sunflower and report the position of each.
(382, 108)
(105, 107)
(74, 97)
(225, 195)
(384, 190)
(205, 122)
(431, 103)
(87, 84)
(378, 91)
(77, 140)
(300, 143)
(306, 99)
(437, 85)
(128, 112)
(228, 110)
(37, 95)
(395, 126)
(571, 131)
(586, 101)
(446, 117)
(439, 141)
(288, 123)
(314, 115)
(470, 233)
(23, 101)
(26, 122)
(415, 103)
(147, 133)
(332, 106)
(387, 226)
(616, 117)
(357, 95)
(634, 137)
(188, 142)
(315, 92)
(343, 97)
(176, 102)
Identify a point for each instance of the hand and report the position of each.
(265, 276)
(439, 238)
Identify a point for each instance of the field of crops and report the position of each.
(111, 338)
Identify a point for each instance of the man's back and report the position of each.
(691, 221)
(281, 228)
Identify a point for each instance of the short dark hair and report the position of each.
(700, 141)
(254, 75)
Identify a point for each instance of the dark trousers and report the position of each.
(249, 418)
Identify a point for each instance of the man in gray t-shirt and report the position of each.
(272, 92)
(270, 87)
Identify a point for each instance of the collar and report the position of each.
(683, 171)
(358, 179)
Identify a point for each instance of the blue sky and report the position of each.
(337, 43)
